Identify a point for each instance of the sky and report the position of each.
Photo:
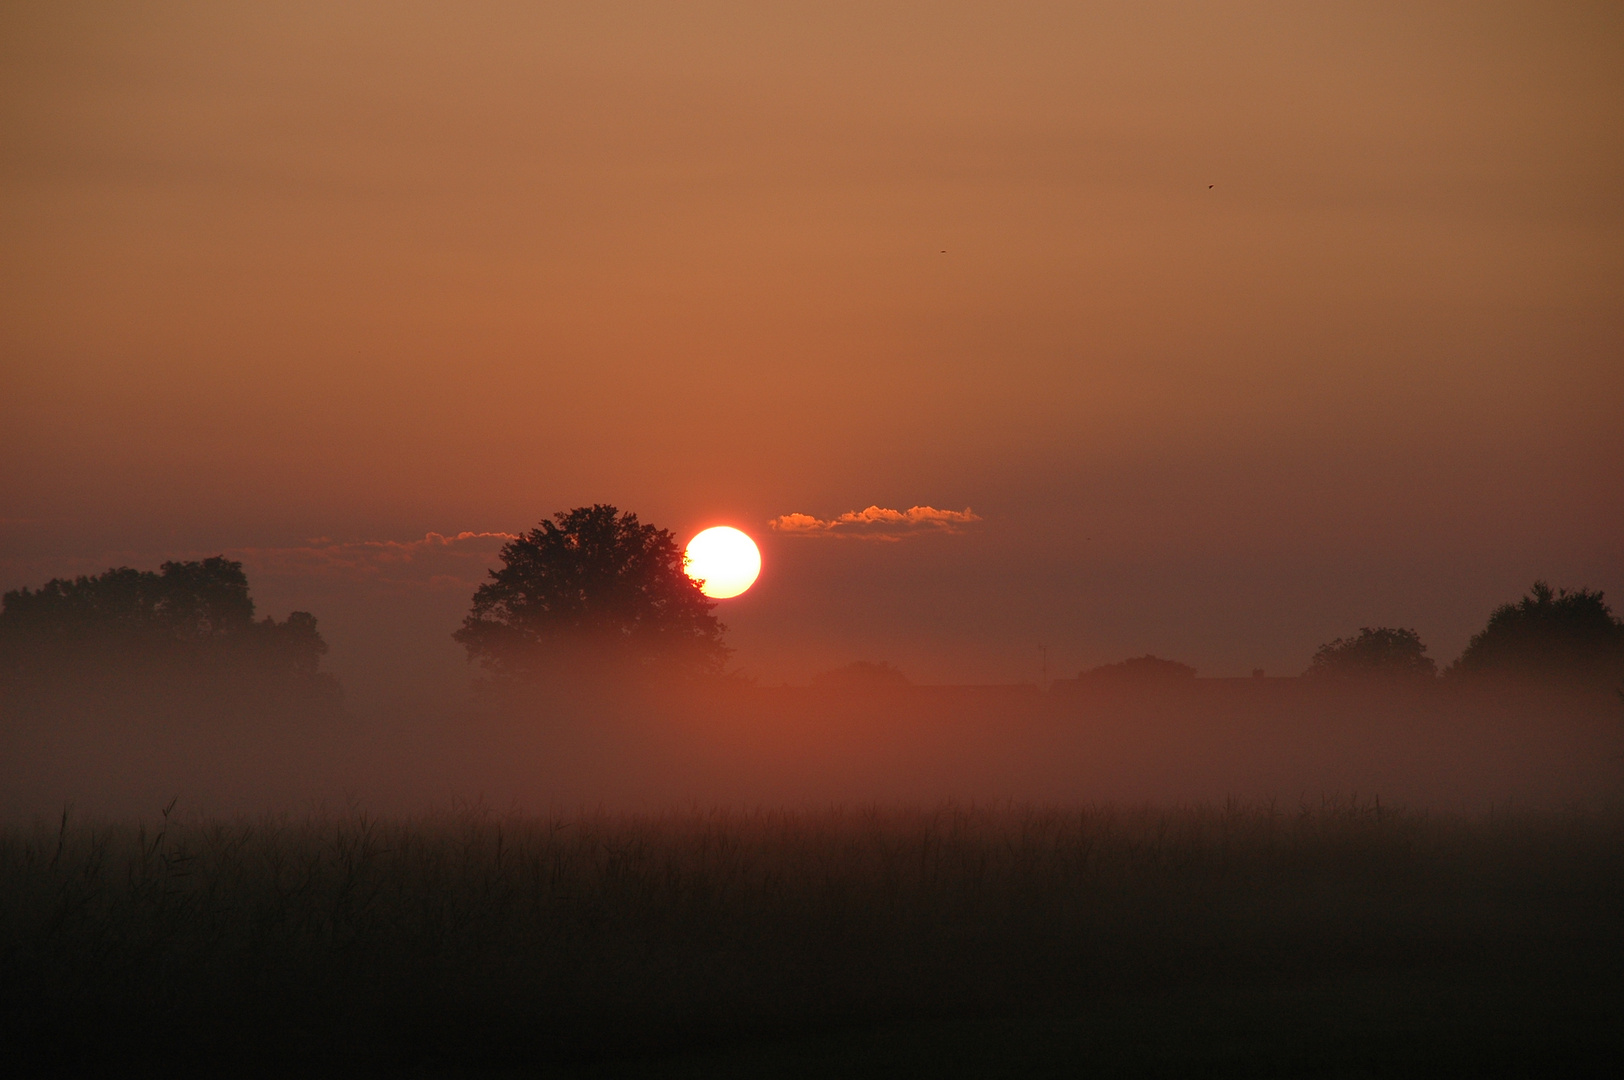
(1233, 328)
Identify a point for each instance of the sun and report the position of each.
(724, 560)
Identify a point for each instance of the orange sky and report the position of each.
(1240, 328)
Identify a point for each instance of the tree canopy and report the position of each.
(1380, 652)
(1549, 634)
(592, 589)
(186, 620)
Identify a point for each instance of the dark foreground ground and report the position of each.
(1314, 940)
(1379, 1025)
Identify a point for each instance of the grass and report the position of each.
(956, 940)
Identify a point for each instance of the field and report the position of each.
(1319, 938)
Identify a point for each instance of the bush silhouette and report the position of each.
(592, 592)
(1377, 653)
(1550, 635)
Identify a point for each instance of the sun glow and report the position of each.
(724, 560)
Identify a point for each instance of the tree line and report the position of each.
(1552, 635)
(1549, 634)
(595, 593)
(188, 624)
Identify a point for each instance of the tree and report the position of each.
(1377, 653)
(170, 631)
(592, 590)
(1549, 634)
(186, 602)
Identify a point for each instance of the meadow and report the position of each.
(1324, 937)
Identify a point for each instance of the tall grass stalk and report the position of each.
(475, 932)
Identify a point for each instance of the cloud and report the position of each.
(436, 561)
(877, 523)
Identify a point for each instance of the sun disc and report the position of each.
(724, 560)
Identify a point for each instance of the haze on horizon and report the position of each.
(1238, 330)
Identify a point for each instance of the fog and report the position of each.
(1288, 743)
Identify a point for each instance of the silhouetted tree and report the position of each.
(1549, 634)
(187, 621)
(593, 590)
(861, 675)
(1140, 670)
(1380, 652)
